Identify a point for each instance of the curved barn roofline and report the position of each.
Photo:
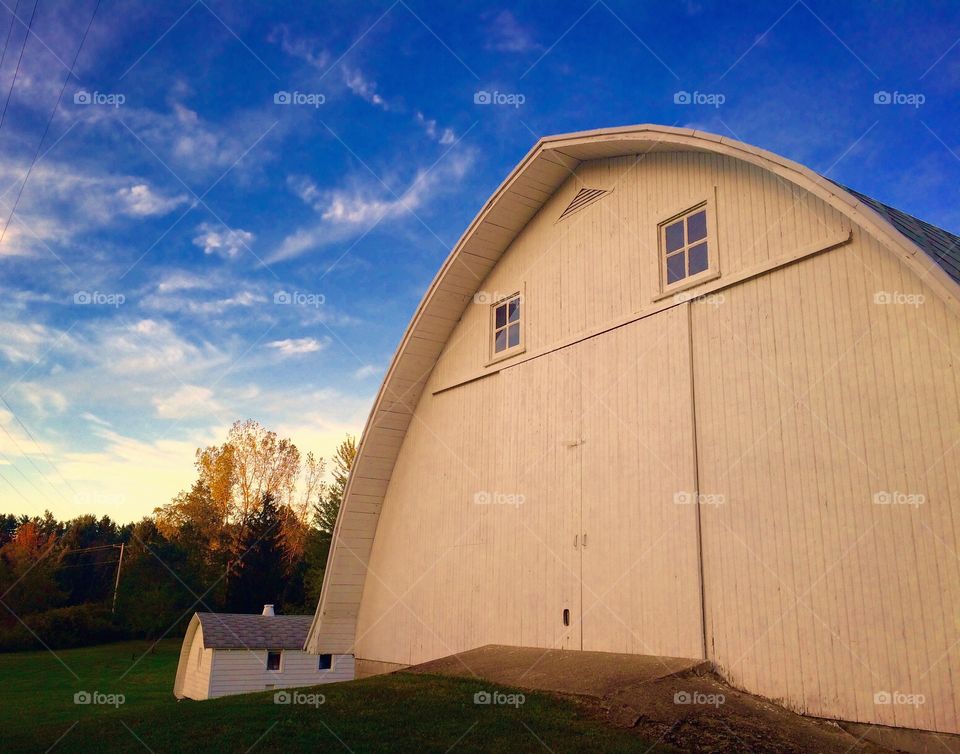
(536, 177)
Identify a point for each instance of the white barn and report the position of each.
(230, 653)
(672, 394)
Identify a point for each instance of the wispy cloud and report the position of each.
(348, 211)
(508, 35)
(186, 401)
(444, 136)
(224, 242)
(140, 200)
(297, 346)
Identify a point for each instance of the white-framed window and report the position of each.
(506, 327)
(273, 659)
(326, 662)
(688, 247)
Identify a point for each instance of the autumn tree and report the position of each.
(325, 514)
(327, 508)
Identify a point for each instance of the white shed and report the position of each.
(230, 653)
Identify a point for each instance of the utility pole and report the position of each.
(116, 584)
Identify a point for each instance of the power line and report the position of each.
(30, 460)
(50, 120)
(15, 489)
(9, 30)
(15, 468)
(39, 449)
(19, 60)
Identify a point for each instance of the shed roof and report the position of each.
(252, 631)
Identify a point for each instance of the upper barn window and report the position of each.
(506, 326)
(688, 247)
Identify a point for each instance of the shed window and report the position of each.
(506, 325)
(685, 245)
(273, 660)
(326, 662)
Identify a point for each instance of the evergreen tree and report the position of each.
(257, 576)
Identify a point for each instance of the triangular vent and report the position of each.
(584, 197)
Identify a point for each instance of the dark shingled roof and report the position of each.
(245, 631)
(940, 245)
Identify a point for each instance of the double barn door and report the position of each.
(606, 465)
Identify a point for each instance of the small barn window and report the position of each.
(687, 248)
(326, 662)
(273, 660)
(506, 326)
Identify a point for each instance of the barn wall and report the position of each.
(196, 684)
(237, 671)
(812, 399)
(601, 263)
(193, 668)
(783, 404)
(498, 477)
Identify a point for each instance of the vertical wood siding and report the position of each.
(814, 402)
(807, 397)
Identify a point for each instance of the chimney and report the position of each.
(268, 610)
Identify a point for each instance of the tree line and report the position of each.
(255, 527)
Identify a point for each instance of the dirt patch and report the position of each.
(698, 712)
(674, 701)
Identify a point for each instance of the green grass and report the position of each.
(400, 712)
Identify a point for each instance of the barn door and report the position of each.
(641, 575)
(548, 477)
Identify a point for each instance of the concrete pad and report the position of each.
(676, 701)
(595, 674)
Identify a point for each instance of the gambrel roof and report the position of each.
(252, 631)
(929, 251)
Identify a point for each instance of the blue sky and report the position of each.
(177, 204)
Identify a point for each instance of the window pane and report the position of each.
(698, 258)
(513, 308)
(674, 236)
(273, 661)
(326, 662)
(514, 335)
(697, 226)
(500, 341)
(501, 315)
(675, 269)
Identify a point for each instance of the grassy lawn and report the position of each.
(401, 712)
